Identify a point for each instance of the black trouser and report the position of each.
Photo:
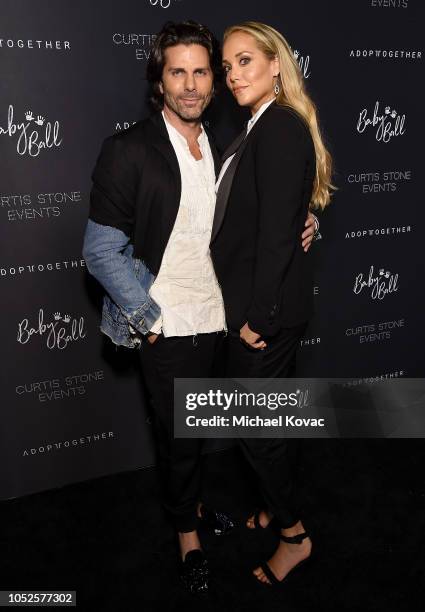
(179, 459)
(273, 460)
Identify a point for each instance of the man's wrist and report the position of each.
(156, 327)
(143, 318)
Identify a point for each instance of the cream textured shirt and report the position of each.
(186, 287)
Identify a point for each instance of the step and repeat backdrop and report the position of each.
(73, 406)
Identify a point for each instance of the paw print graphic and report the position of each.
(29, 116)
(387, 110)
(387, 274)
(39, 120)
(393, 114)
(66, 318)
(296, 53)
(57, 316)
(381, 271)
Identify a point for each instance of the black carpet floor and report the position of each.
(109, 540)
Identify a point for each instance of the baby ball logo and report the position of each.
(33, 134)
(303, 63)
(162, 3)
(386, 125)
(378, 286)
(58, 333)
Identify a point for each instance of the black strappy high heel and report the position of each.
(297, 539)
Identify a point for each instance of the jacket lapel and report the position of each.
(216, 156)
(234, 146)
(161, 142)
(226, 184)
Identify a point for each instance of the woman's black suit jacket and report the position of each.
(262, 203)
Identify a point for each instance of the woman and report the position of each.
(273, 172)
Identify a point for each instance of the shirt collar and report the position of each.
(172, 130)
(258, 114)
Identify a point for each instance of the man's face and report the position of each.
(187, 81)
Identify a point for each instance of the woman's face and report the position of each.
(249, 72)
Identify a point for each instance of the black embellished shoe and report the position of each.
(217, 522)
(297, 539)
(194, 572)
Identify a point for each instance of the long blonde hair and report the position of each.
(293, 93)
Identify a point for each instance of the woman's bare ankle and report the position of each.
(294, 530)
(264, 519)
(188, 540)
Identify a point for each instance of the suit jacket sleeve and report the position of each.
(115, 180)
(280, 157)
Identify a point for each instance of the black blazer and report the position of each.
(262, 204)
(137, 187)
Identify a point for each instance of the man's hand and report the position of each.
(149, 336)
(251, 338)
(307, 235)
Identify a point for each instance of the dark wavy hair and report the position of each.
(184, 33)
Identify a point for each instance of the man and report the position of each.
(147, 242)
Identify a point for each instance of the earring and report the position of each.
(276, 88)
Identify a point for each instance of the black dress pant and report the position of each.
(179, 459)
(273, 460)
